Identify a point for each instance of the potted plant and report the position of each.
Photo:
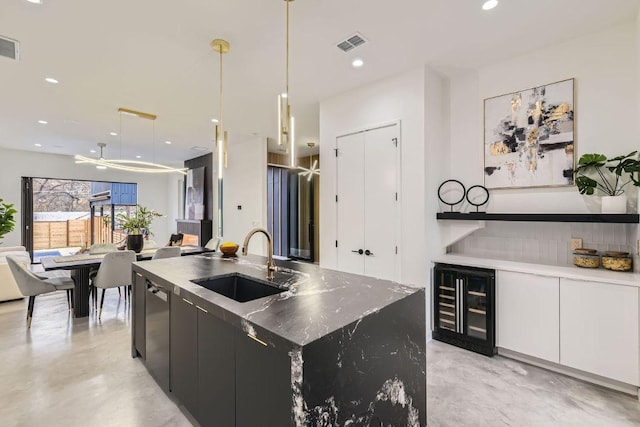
(7, 220)
(609, 176)
(137, 225)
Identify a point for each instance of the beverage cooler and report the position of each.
(464, 307)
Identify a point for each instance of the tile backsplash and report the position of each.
(545, 242)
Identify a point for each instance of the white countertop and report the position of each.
(576, 273)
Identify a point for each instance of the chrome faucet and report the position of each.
(271, 266)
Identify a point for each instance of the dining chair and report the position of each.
(149, 244)
(167, 252)
(114, 271)
(31, 285)
(213, 244)
(102, 248)
(98, 249)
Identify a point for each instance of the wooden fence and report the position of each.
(72, 233)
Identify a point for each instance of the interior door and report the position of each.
(350, 203)
(380, 204)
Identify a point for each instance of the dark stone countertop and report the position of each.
(317, 301)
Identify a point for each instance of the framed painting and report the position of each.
(529, 137)
(194, 197)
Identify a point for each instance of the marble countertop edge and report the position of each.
(568, 272)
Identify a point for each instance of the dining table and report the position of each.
(81, 265)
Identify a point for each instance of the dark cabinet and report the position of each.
(184, 357)
(157, 341)
(140, 288)
(263, 383)
(216, 372)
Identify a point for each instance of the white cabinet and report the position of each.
(367, 202)
(599, 329)
(528, 314)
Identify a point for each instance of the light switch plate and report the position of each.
(576, 243)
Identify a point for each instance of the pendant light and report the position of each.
(286, 122)
(222, 141)
(130, 165)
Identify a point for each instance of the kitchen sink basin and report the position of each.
(238, 287)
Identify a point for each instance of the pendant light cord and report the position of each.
(287, 72)
(221, 89)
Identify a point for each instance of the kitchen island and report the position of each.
(326, 348)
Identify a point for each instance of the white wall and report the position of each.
(152, 188)
(245, 184)
(605, 67)
(397, 98)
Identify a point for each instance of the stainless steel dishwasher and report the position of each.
(157, 334)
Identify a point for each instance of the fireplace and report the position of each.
(197, 232)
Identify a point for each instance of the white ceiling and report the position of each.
(154, 56)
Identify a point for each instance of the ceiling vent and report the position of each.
(9, 48)
(352, 42)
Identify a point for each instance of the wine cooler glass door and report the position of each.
(476, 288)
(447, 301)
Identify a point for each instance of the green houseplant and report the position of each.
(596, 172)
(137, 225)
(7, 220)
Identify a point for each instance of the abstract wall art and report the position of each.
(529, 137)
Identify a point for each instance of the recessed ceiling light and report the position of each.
(357, 63)
(214, 120)
(51, 80)
(168, 142)
(92, 151)
(138, 157)
(489, 4)
(35, 1)
(113, 133)
(43, 122)
(38, 145)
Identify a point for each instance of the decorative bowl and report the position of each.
(229, 249)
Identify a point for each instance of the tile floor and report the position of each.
(79, 372)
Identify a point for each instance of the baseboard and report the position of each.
(572, 372)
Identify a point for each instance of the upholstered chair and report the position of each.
(31, 285)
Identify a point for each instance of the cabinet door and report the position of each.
(139, 292)
(599, 329)
(380, 204)
(216, 372)
(350, 203)
(184, 347)
(528, 314)
(263, 384)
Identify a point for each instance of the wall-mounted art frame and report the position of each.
(194, 195)
(529, 137)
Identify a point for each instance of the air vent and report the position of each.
(9, 48)
(351, 42)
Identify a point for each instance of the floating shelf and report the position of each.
(479, 216)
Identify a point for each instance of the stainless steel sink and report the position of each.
(239, 287)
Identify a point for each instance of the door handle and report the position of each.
(359, 251)
(368, 252)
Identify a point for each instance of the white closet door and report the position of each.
(380, 204)
(350, 206)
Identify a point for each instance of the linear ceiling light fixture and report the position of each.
(129, 165)
(286, 122)
(222, 141)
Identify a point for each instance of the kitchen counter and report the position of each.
(569, 272)
(317, 301)
(332, 349)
